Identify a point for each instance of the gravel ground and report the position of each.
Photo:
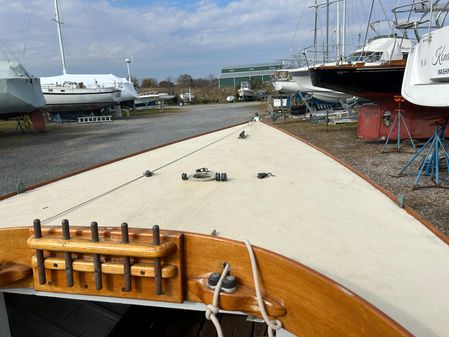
(342, 142)
(34, 157)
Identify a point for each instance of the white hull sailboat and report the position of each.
(426, 76)
(70, 97)
(127, 91)
(78, 92)
(20, 93)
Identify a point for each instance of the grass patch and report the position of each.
(8, 126)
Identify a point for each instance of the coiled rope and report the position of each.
(213, 309)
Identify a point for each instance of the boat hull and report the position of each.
(61, 99)
(376, 83)
(20, 96)
(127, 91)
(286, 87)
(426, 77)
(303, 78)
(246, 94)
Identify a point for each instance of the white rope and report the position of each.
(213, 309)
(272, 324)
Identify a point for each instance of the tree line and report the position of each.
(182, 81)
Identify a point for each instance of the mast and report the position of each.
(326, 56)
(338, 50)
(314, 32)
(343, 38)
(61, 44)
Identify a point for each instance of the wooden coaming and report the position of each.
(307, 303)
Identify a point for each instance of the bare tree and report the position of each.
(184, 80)
(148, 82)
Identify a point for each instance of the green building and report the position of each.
(231, 77)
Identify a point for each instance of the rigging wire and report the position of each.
(386, 16)
(8, 49)
(290, 47)
(27, 29)
(71, 209)
(5, 55)
(94, 33)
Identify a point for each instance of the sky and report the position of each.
(165, 38)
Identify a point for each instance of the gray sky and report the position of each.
(165, 38)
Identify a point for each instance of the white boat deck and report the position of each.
(313, 210)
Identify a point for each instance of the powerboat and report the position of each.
(147, 99)
(245, 92)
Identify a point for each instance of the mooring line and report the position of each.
(71, 209)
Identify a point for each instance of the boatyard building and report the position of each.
(232, 76)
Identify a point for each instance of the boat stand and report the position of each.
(397, 121)
(430, 164)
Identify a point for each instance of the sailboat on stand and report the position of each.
(83, 92)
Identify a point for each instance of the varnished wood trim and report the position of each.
(71, 174)
(11, 273)
(103, 247)
(390, 195)
(243, 299)
(315, 304)
(115, 268)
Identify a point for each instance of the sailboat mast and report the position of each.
(315, 32)
(338, 50)
(326, 56)
(343, 38)
(61, 44)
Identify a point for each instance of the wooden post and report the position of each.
(157, 263)
(97, 261)
(39, 253)
(67, 255)
(126, 259)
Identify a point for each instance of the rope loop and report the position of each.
(211, 310)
